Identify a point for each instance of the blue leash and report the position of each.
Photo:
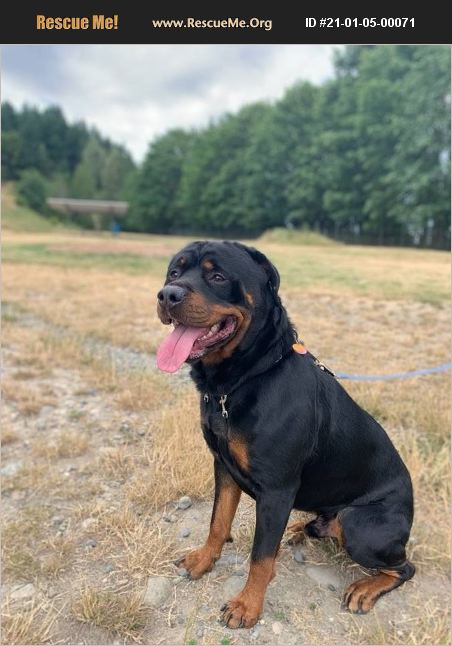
(443, 367)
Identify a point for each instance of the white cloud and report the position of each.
(132, 93)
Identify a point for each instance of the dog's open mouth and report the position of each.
(191, 343)
(217, 335)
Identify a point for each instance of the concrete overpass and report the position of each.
(103, 207)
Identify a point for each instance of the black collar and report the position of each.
(274, 355)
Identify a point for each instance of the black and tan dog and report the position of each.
(280, 428)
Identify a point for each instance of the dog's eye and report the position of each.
(218, 278)
(174, 273)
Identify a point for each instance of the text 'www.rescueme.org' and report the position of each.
(212, 23)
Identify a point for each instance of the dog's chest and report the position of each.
(222, 432)
(216, 422)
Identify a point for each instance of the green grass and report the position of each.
(16, 217)
(297, 237)
(44, 254)
(377, 272)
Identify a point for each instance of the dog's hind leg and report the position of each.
(375, 537)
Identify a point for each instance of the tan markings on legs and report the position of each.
(239, 450)
(360, 596)
(334, 530)
(324, 527)
(243, 610)
(202, 560)
(296, 531)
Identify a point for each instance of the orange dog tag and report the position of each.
(300, 348)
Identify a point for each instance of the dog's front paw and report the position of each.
(198, 562)
(241, 612)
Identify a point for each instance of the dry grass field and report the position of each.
(97, 446)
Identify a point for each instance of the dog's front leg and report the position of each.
(227, 496)
(272, 512)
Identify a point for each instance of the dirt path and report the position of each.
(63, 460)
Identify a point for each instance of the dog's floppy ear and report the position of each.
(264, 262)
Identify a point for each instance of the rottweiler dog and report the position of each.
(280, 428)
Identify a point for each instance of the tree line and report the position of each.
(363, 157)
(49, 157)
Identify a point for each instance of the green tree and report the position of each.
(31, 190)
(87, 179)
(117, 166)
(213, 193)
(154, 202)
(9, 117)
(420, 169)
(54, 132)
(11, 154)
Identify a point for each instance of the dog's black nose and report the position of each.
(171, 295)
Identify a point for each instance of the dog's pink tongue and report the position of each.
(177, 346)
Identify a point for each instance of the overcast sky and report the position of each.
(132, 93)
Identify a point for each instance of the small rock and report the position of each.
(11, 468)
(184, 502)
(141, 432)
(200, 633)
(52, 592)
(157, 591)
(223, 560)
(254, 635)
(299, 555)
(109, 568)
(181, 571)
(185, 533)
(277, 627)
(21, 592)
(91, 543)
(89, 522)
(230, 559)
(57, 520)
(170, 518)
(240, 572)
(324, 576)
(232, 586)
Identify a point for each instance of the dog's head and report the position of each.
(217, 295)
